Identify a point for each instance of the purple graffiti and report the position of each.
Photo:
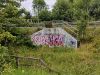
(50, 39)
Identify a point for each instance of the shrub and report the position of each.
(23, 40)
(23, 35)
(6, 38)
(3, 53)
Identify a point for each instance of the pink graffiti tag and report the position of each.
(51, 40)
(56, 40)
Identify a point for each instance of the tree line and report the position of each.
(68, 10)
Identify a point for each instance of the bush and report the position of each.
(3, 53)
(23, 40)
(87, 38)
(97, 42)
(23, 35)
(7, 38)
(45, 15)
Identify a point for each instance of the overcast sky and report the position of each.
(28, 4)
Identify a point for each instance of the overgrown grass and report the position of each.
(29, 71)
(83, 61)
(66, 61)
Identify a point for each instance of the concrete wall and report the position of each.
(53, 37)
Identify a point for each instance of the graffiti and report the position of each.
(51, 40)
(56, 40)
(53, 37)
(40, 40)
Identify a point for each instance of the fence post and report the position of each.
(17, 62)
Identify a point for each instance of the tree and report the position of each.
(38, 5)
(45, 15)
(10, 8)
(10, 11)
(94, 11)
(81, 27)
(28, 15)
(82, 17)
(60, 9)
(82, 9)
(16, 3)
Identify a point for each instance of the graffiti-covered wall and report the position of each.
(53, 37)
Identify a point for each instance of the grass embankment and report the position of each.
(83, 61)
(63, 60)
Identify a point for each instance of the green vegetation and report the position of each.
(15, 39)
(70, 10)
(82, 61)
